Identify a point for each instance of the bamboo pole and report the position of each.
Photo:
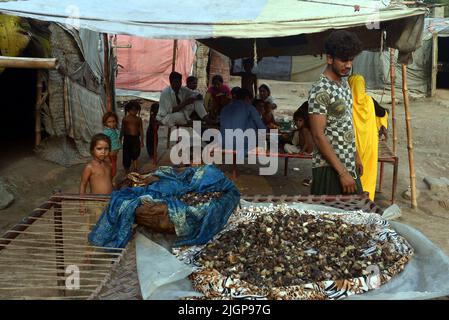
(393, 100)
(413, 200)
(28, 63)
(38, 105)
(107, 75)
(175, 48)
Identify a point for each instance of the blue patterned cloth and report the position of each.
(193, 225)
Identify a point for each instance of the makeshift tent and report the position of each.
(68, 98)
(254, 28)
(146, 65)
(375, 66)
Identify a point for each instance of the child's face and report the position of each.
(133, 111)
(111, 123)
(260, 106)
(192, 85)
(299, 123)
(217, 84)
(101, 150)
(263, 93)
(248, 66)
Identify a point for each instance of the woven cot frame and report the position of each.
(36, 253)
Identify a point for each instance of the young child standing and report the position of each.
(132, 134)
(98, 175)
(98, 172)
(110, 123)
(249, 79)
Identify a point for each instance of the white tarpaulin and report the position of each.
(206, 18)
(272, 21)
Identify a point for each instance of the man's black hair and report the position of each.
(343, 45)
(133, 104)
(191, 78)
(174, 76)
(235, 90)
(242, 94)
(217, 77)
(256, 101)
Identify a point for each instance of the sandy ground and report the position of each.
(32, 180)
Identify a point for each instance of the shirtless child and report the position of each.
(249, 79)
(98, 172)
(132, 134)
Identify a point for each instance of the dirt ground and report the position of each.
(32, 180)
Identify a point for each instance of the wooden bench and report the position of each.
(387, 156)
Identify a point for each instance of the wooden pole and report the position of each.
(393, 100)
(59, 241)
(175, 48)
(414, 202)
(107, 74)
(28, 63)
(37, 112)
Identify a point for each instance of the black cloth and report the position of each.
(131, 149)
(150, 137)
(325, 181)
(380, 111)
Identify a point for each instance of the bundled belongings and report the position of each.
(160, 207)
(154, 216)
(134, 179)
(281, 253)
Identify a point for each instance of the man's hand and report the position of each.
(383, 132)
(142, 144)
(359, 166)
(347, 183)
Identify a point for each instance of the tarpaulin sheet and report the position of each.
(147, 64)
(193, 225)
(84, 112)
(216, 20)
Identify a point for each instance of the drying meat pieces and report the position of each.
(199, 199)
(280, 249)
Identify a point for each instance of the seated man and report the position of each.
(240, 114)
(177, 103)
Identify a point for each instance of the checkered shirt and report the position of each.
(334, 100)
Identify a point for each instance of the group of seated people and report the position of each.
(180, 105)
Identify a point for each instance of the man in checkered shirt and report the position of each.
(336, 165)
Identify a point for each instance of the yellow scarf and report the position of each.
(366, 132)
